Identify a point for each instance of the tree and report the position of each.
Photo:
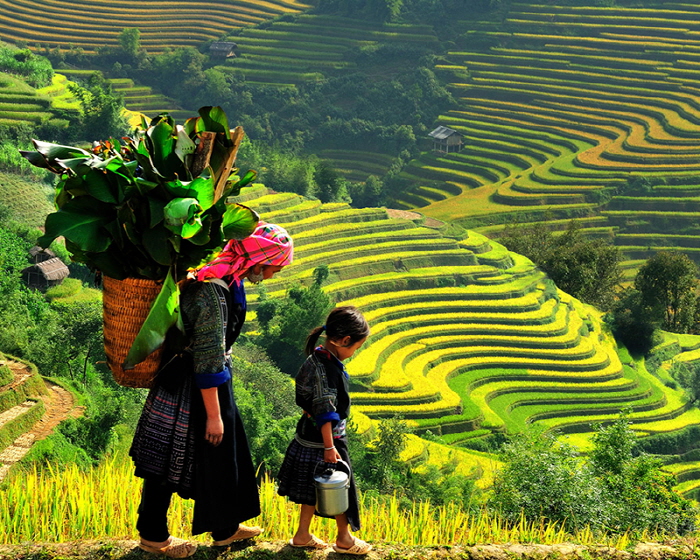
(667, 283)
(688, 376)
(130, 41)
(632, 322)
(614, 490)
(542, 477)
(286, 322)
(101, 109)
(585, 268)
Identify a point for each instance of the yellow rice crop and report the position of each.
(61, 505)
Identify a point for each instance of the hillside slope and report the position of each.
(468, 339)
(571, 111)
(88, 25)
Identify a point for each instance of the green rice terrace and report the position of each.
(21, 103)
(286, 53)
(565, 111)
(469, 339)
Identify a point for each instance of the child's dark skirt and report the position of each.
(296, 477)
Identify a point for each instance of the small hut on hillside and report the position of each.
(222, 49)
(39, 254)
(446, 140)
(45, 274)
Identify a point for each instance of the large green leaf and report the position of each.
(204, 235)
(215, 120)
(155, 241)
(164, 314)
(239, 221)
(235, 183)
(37, 160)
(202, 188)
(91, 182)
(184, 145)
(53, 152)
(162, 147)
(155, 207)
(81, 221)
(182, 216)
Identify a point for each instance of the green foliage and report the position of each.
(268, 438)
(632, 322)
(130, 41)
(101, 109)
(284, 170)
(366, 194)
(36, 70)
(587, 269)
(265, 398)
(667, 284)
(286, 322)
(255, 370)
(14, 253)
(379, 470)
(688, 376)
(543, 477)
(612, 490)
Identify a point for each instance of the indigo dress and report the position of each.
(322, 392)
(169, 446)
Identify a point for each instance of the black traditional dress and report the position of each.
(169, 448)
(322, 392)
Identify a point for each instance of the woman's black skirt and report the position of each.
(296, 477)
(169, 447)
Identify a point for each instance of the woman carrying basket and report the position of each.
(190, 438)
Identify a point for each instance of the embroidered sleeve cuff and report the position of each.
(208, 380)
(332, 417)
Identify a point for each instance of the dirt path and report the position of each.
(59, 405)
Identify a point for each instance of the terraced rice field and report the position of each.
(468, 339)
(143, 100)
(561, 106)
(92, 24)
(20, 102)
(306, 46)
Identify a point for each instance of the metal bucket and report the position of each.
(332, 485)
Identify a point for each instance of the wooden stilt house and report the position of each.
(446, 140)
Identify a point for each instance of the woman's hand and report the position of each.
(331, 455)
(215, 430)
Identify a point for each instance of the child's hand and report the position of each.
(331, 455)
(215, 430)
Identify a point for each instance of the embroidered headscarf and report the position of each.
(269, 244)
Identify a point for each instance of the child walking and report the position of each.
(322, 393)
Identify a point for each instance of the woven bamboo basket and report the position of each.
(125, 306)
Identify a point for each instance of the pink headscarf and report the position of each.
(268, 244)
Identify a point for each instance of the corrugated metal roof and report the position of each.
(442, 132)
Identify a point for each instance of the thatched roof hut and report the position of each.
(39, 254)
(45, 274)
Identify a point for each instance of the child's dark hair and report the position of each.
(341, 322)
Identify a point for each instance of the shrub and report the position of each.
(612, 490)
